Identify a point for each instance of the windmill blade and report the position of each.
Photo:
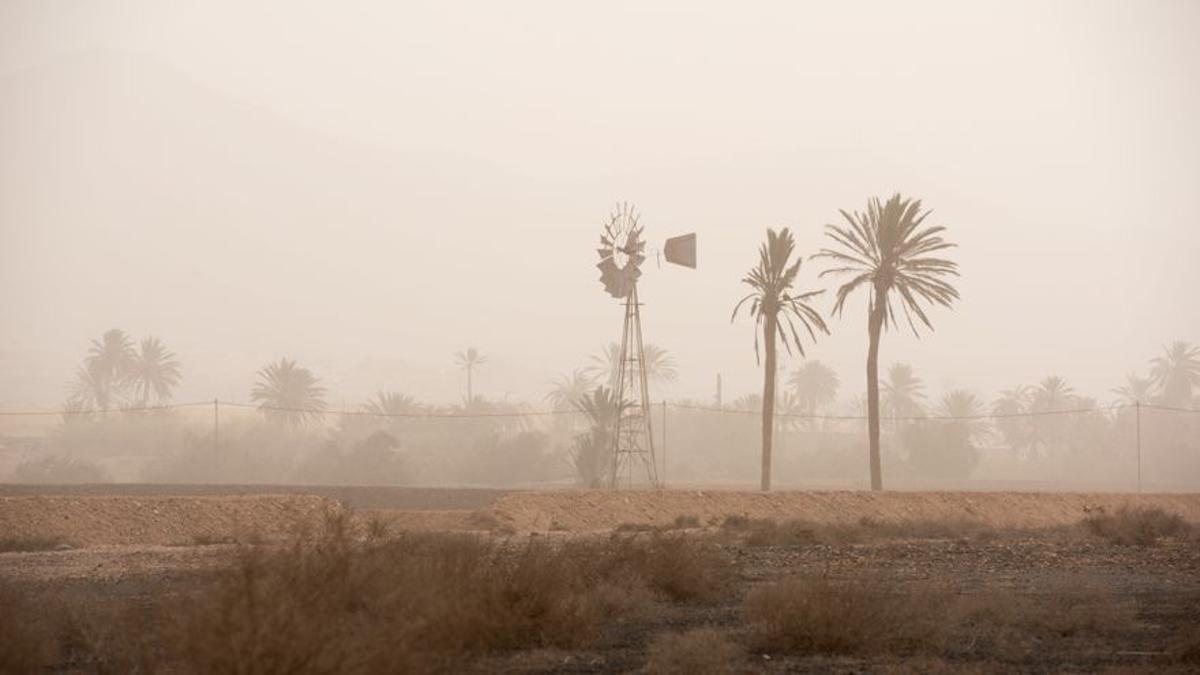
(681, 250)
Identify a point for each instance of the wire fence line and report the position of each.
(552, 412)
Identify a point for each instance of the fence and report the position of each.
(1121, 447)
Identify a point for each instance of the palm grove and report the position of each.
(886, 254)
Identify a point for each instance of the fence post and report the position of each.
(664, 442)
(216, 429)
(1137, 406)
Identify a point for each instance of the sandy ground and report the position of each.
(174, 515)
(154, 520)
(596, 510)
(132, 545)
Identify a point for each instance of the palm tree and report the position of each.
(591, 454)
(1011, 411)
(1177, 372)
(469, 360)
(966, 410)
(887, 251)
(391, 404)
(154, 371)
(1051, 395)
(660, 366)
(109, 363)
(772, 298)
(567, 389)
(89, 391)
(814, 384)
(903, 392)
(1136, 390)
(288, 393)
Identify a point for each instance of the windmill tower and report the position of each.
(622, 252)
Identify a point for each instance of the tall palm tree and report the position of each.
(1177, 372)
(887, 251)
(288, 393)
(660, 365)
(903, 392)
(1136, 390)
(1010, 411)
(109, 363)
(567, 389)
(154, 370)
(814, 384)
(772, 298)
(469, 360)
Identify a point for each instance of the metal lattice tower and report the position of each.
(633, 440)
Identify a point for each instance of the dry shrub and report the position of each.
(1008, 624)
(686, 522)
(423, 601)
(46, 630)
(1134, 526)
(766, 532)
(869, 615)
(626, 528)
(27, 641)
(700, 651)
(488, 522)
(680, 567)
(14, 544)
(851, 616)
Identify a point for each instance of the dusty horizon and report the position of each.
(428, 179)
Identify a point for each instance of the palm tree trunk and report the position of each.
(768, 411)
(874, 328)
(470, 394)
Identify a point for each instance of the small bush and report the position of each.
(822, 615)
(488, 522)
(15, 544)
(680, 567)
(686, 522)
(1134, 526)
(700, 651)
(636, 527)
(735, 523)
(26, 641)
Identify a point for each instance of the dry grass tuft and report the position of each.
(1134, 526)
(700, 651)
(26, 544)
(488, 522)
(853, 616)
(686, 522)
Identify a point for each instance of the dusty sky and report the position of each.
(372, 189)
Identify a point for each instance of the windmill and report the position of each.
(622, 252)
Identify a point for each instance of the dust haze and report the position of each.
(622, 337)
(371, 192)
